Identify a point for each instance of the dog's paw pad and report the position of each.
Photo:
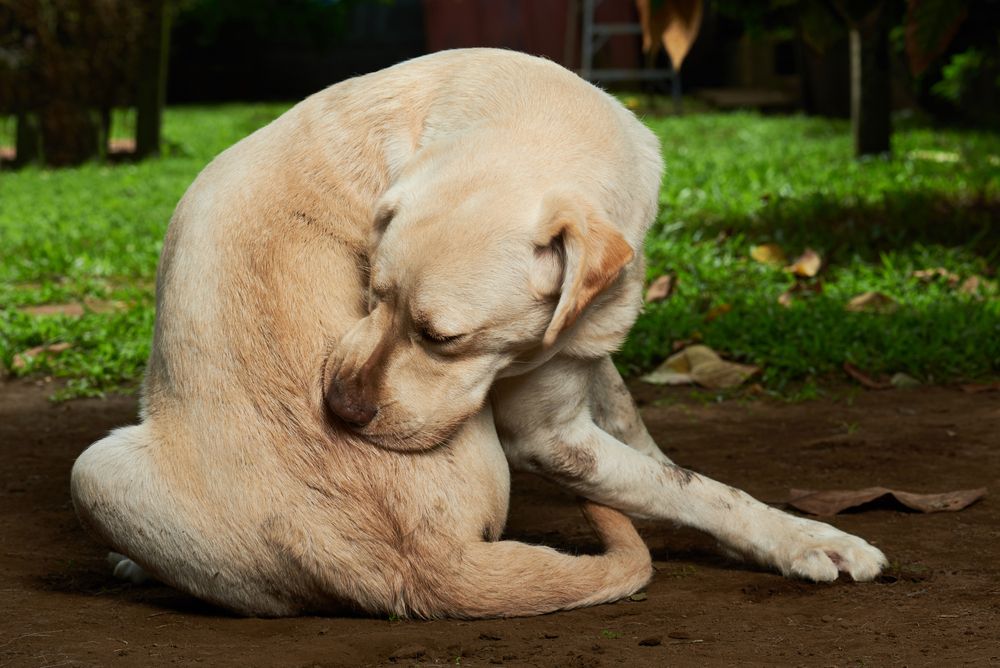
(126, 569)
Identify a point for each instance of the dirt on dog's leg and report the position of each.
(544, 433)
(614, 410)
(511, 579)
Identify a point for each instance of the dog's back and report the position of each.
(236, 487)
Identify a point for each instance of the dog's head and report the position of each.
(473, 275)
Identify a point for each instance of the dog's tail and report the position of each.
(510, 579)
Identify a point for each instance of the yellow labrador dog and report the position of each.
(354, 302)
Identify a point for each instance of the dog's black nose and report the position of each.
(349, 406)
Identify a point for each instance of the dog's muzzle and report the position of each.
(349, 404)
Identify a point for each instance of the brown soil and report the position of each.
(938, 606)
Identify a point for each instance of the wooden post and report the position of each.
(871, 100)
(152, 87)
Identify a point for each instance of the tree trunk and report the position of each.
(870, 85)
(28, 147)
(152, 92)
(70, 133)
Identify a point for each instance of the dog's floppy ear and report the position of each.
(385, 210)
(593, 256)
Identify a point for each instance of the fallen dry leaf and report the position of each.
(74, 309)
(975, 388)
(700, 365)
(50, 350)
(660, 289)
(872, 302)
(802, 288)
(831, 502)
(970, 286)
(768, 254)
(806, 265)
(717, 311)
(928, 275)
(871, 383)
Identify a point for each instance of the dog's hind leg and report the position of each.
(136, 505)
(511, 579)
(614, 410)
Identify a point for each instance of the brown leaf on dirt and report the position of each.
(976, 388)
(857, 374)
(768, 254)
(50, 350)
(717, 311)
(872, 302)
(700, 365)
(831, 502)
(660, 289)
(928, 275)
(806, 265)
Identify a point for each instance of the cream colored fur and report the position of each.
(237, 486)
(351, 298)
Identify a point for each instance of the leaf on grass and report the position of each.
(717, 311)
(800, 288)
(872, 302)
(971, 285)
(74, 309)
(831, 502)
(806, 265)
(871, 383)
(768, 254)
(928, 275)
(700, 365)
(22, 359)
(660, 289)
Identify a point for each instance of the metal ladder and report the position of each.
(596, 35)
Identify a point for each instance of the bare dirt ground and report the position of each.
(938, 606)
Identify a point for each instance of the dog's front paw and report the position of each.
(126, 569)
(819, 552)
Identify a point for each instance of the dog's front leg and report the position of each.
(613, 410)
(546, 427)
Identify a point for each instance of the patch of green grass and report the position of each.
(733, 181)
(95, 232)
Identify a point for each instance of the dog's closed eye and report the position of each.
(429, 335)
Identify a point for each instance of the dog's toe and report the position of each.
(820, 552)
